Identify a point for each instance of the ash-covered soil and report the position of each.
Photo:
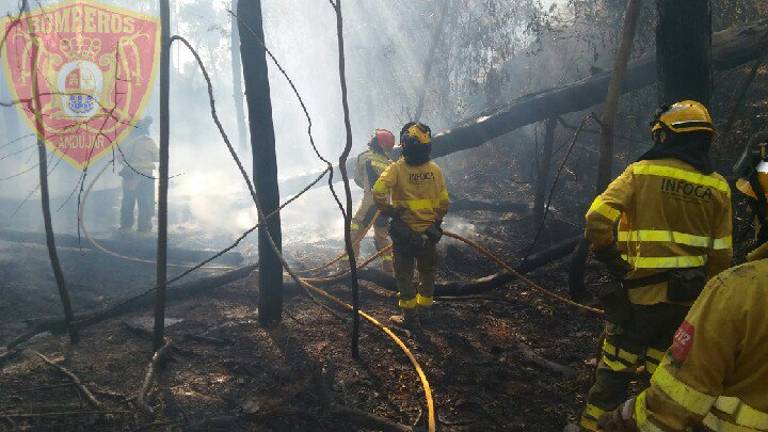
(507, 360)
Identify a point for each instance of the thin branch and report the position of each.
(554, 185)
(157, 358)
(75, 380)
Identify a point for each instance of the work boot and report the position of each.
(409, 320)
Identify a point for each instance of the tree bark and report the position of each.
(431, 59)
(162, 204)
(684, 51)
(576, 274)
(544, 166)
(262, 133)
(37, 107)
(347, 191)
(237, 82)
(730, 48)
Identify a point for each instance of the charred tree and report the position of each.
(158, 337)
(431, 59)
(237, 82)
(347, 191)
(730, 48)
(684, 50)
(544, 166)
(37, 108)
(611, 107)
(262, 133)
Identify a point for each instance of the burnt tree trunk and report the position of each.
(347, 192)
(684, 50)
(237, 82)
(544, 166)
(431, 59)
(37, 107)
(576, 274)
(264, 159)
(162, 202)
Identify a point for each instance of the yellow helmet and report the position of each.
(415, 133)
(683, 117)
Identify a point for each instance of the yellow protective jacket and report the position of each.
(369, 167)
(716, 372)
(420, 190)
(141, 153)
(669, 216)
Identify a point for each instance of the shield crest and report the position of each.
(95, 69)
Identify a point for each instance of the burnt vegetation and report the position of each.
(232, 314)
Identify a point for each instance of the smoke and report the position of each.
(387, 43)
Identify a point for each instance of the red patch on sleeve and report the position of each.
(682, 343)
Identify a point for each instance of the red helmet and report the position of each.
(384, 138)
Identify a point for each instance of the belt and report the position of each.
(646, 281)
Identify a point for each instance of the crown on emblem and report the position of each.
(80, 48)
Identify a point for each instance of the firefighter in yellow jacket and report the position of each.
(370, 164)
(714, 375)
(139, 156)
(412, 192)
(674, 233)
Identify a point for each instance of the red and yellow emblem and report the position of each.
(96, 67)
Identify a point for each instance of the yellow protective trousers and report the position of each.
(642, 340)
(406, 261)
(360, 223)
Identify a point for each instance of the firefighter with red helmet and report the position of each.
(369, 166)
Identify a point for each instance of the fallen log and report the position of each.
(139, 248)
(530, 356)
(481, 285)
(732, 47)
(174, 293)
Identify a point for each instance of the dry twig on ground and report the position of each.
(75, 380)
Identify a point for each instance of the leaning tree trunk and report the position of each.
(37, 106)
(684, 50)
(576, 274)
(732, 47)
(264, 161)
(237, 82)
(162, 202)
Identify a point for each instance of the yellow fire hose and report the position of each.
(343, 254)
(97, 245)
(341, 275)
(527, 281)
(399, 342)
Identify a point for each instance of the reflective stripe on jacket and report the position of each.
(669, 216)
(420, 190)
(716, 372)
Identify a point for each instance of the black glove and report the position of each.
(611, 257)
(392, 212)
(435, 232)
